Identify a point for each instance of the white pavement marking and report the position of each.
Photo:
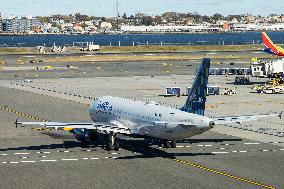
(48, 160)
(69, 159)
(4, 154)
(219, 152)
(181, 146)
(14, 162)
(21, 153)
(94, 158)
(251, 143)
(65, 151)
(243, 151)
(43, 152)
(28, 161)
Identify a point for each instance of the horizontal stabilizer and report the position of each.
(244, 118)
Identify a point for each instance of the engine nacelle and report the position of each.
(85, 135)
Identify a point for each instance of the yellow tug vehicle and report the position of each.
(274, 86)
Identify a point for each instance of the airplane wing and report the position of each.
(244, 118)
(99, 126)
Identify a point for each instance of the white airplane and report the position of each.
(113, 115)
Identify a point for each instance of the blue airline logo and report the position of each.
(104, 107)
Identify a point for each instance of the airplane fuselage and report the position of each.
(149, 118)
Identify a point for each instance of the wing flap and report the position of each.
(98, 126)
(172, 123)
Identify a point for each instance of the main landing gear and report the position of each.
(169, 144)
(112, 143)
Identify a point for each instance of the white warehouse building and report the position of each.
(200, 28)
(274, 27)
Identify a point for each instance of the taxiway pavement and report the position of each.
(46, 159)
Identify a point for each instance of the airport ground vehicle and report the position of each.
(270, 89)
(89, 46)
(274, 86)
(229, 92)
(267, 69)
(242, 81)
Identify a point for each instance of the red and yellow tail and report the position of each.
(270, 47)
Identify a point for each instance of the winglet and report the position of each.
(16, 123)
(281, 114)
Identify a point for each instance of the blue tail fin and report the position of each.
(195, 102)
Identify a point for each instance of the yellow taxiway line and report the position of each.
(222, 173)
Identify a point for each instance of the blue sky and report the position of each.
(151, 7)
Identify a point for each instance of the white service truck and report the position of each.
(267, 69)
(90, 47)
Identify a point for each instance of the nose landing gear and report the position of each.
(169, 144)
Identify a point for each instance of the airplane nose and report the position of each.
(211, 124)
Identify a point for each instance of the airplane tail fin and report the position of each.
(195, 102)
(267, 43)
(270, 47)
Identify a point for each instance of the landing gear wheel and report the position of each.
(109, 146)
(167, 144)
(173, 144)
(84, 145)
(116, 146)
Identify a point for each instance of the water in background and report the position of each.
(140, 39)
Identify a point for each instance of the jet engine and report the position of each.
(85, 135)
